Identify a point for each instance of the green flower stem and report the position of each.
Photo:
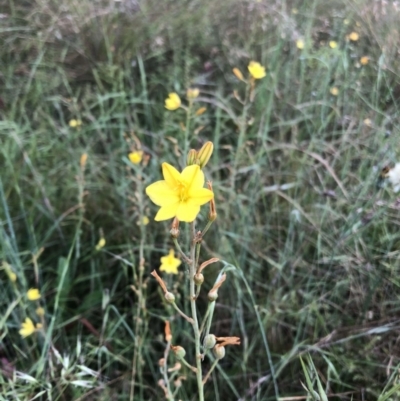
(196, 330)
(179, 249)
(210, 371)
(189, 319)
(187, 130)
(165, 372)
(187, 364)
(205, 317)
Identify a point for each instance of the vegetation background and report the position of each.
(314, 240)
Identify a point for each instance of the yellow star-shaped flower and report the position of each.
(33, 294)
(179, 194)
(27, 328)
(257, 71)
(169, 263)
(173, 101)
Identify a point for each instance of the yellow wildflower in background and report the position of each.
(256, 70)
(354, 36)
(33, 294)
(334, 91)
(145, 220)
(169, 263)
(300, 44)
(136, 156)
(192, 93)
(75, 123)
(28, 328)
(179, 194)
(173, 101)
(364, 60)
(333, 44)
(101, 244)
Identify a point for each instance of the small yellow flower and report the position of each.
(136, 156)
(179, 194)
(333, 44)
(364, 60)
(200, 111)
(354, 36)
(169, 263)
(27, 328)
(256, 70)
(238, 74)
(368, 122)
(101, 244)
(192, 93)
(145, 220)
(40, 311)
(173, 102)
(75, 123)
(300, 44)
(33, 294)
(334, 91)
(12, 276)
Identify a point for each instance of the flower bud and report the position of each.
(209, 341)
(169, 297)
(178, 351)
(212, 295)
(191, 157)
(198, 279)
(238, 74)
(192, 93)
(219, 351)
(175, 228)
(204, 154)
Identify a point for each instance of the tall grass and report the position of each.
(313, 239)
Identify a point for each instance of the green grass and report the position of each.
(316, 262)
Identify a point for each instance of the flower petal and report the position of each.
(187, 212)
(193, 176)
(198, 197)
(171, 175)
(162, 194)
(167, 212)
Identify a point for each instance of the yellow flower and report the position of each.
(75, 123)
(101, 244)
(333, 44)
(173, 101)
(179, 194)
(12, 276)
(354, 36)
(145, 220)
(27, 328)
(136, 156)
(334, 91)
(33, 294)
(169, 263)
(300, 44)
(192, 93)
(40, 311)
(256, 70)
(364, 60)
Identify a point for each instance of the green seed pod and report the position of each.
(169, 297)
(198, 279)
(179, 351)
(209, 341)
(219, 351)
(212, 296)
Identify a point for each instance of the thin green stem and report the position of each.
(189, 319)
(210, 371)
(179, 249)
(196, 330)
(165, 372)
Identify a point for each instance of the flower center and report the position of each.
(183, 190)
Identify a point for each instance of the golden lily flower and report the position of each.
(173, 101)
(136, 156)
(27, 328)
(179, 194)
(257, 71)
(33, 294)
(169, 263)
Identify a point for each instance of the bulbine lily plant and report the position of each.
(180, 196)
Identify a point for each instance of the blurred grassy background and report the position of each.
(317, 260)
